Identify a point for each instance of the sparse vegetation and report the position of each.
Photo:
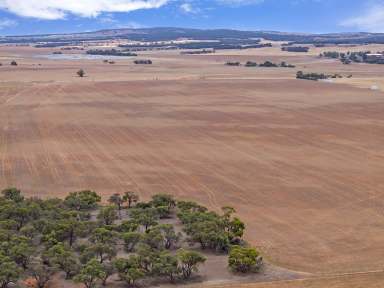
(80, 73)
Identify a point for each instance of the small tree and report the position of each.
(41, 273)
(117, 200)
(12, 194)
(145, 217)
(189, 262)
(132, 275)
(129, 270)
(107, 215)
(9, 272)
(91, 272)
(81, 73)
(167, 265)
(104, 244)
(130, 197)
(21, 253)
(131, 239)
(100, 251)
(244, 260)
(109, 270)
(170, 237)
(60, 256)
(82, 200)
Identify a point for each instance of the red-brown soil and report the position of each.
(301, 161)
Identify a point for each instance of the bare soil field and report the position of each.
(364, 280)
(301, 161)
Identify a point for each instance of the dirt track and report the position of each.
(301, 161)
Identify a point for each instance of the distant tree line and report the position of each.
(357, 57)
(143, 62)
(87, 242)
(110, 52)
(317, 76)
(197, 52)
(267, 64)
(302, 49)
(223, 44)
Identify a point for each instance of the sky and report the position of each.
(21, 17)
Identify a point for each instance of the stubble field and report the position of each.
(301, 161)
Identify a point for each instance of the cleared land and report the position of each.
(300, 160)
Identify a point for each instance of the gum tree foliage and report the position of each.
(189, 262)
(12, 194)
(41, 272)
(166, 265)
(9, 271)
(107, 215)
(129, 269)
(90, 273)
(146, 217)
(81, 239)
(82, 200)
(209, 229)
(62, 257)
(131, 239)
(103, 245)
(164, 204)
(131, 198)
(244, 260)
(68, 228)
(117, 200)
(109, 270)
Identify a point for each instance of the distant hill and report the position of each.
(170, 33)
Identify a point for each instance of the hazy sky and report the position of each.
(56, 16)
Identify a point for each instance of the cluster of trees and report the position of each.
(267, 64)
(317, 76)
(143, 62)
(302, 49)
(78, 238)
(110, 52)
(357, 57)
(230, 63)
(198, 52)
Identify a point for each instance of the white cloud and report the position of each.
(188, 8)
(58, 9)
(372, 20)
(4, 23)
(239, 2)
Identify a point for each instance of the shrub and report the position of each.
(81, 73)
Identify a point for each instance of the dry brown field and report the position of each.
(301, 161)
